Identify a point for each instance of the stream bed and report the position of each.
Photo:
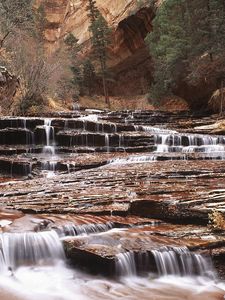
(113, 205)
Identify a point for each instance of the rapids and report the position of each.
(38, 269)
(62, 283)
(104, 176)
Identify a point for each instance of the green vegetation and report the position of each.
(72, 49)
(187, 44)
(100, 34)
(89, 77)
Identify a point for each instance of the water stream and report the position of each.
(33, 265)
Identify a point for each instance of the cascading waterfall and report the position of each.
(171, 141)
(17, 249)
(177, 261)
(206, 145)
(84, 229)
(107, 142)
(126, 264)
(76, 106)
(49, 149)
(29, 135)
(49, 134)
(180, 261)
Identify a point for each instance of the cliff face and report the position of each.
(130, 20)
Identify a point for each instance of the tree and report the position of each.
(93, 11)
(73, 49)
(14, 15)
(100, 40)
(38, 74)
(187, 44)
(88, 76)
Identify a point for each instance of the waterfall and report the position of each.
(171, 141)
(33, 248)
(49, 165)
(49, 149)
(177, 261)
(207, 146)
(49, 133)
(76, 106)
(107, 142)
(84, 229)
(125, 264)
(180, 261)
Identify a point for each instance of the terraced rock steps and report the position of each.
(124, 191)
(112, 246)
(29, 145)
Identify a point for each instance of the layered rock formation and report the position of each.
(129, 59)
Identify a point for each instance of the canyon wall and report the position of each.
(130, 21)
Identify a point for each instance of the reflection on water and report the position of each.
(61, 283)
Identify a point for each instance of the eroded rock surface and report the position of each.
(115, 185)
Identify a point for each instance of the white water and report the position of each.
(177, 261)
(91, 117)
(134, 159)
(29, 248)
(168, 141)
(84, 229)
(180, 261)
(61, 283)
(50, 159)
(38, 271)
(207, 145)
(125, 264)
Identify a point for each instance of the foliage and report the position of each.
(92, 10)
(188, 37)
(88, 76)
(100, 37)
(73, 48)
(38, 75)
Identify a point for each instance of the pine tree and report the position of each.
(93, 12)
(187, 43)
(100, 41)
(88, 76)
(72, 49)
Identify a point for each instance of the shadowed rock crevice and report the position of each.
(131, 65)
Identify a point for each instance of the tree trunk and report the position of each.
(3, 39)
(105, 88)
(221, 98)
(210, 28)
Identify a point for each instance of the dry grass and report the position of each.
(133, 102)
(117, 103)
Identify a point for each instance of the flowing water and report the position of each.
(33, 265)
